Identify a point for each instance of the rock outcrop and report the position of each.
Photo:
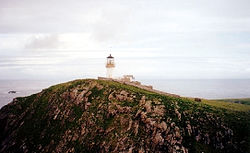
(106, 116)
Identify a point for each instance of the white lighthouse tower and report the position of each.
(110, 65)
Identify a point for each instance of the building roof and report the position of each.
(110, 56)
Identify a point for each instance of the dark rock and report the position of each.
(12, 91)
(197, 99)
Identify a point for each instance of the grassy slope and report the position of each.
(236, 116)
(245, 101)
(220, 103)
(227, 105)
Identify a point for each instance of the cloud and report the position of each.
(104, 17)
(149, 35)
(43, 42)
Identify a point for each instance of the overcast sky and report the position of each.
(68, 39)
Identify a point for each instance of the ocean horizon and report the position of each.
(202, 88)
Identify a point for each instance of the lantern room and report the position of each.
(110, 62)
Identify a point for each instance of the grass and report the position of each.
(245, 101)
(227, 105)
(235, 105)
(223, 104)
(237, 116)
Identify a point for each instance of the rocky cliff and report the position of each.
(106, 116)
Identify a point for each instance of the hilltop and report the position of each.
(107, 116)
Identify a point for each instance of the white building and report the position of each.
(110, 65)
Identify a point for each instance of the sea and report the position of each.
(22, 87)
(202, 88)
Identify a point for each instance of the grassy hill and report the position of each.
(245, 101)
(106, 116)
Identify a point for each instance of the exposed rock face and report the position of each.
(103, 116)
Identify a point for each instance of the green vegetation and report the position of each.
(103, 116)
(227, 105)
(245, 101)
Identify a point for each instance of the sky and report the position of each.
(161, 39)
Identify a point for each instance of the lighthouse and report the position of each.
(110, 65)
